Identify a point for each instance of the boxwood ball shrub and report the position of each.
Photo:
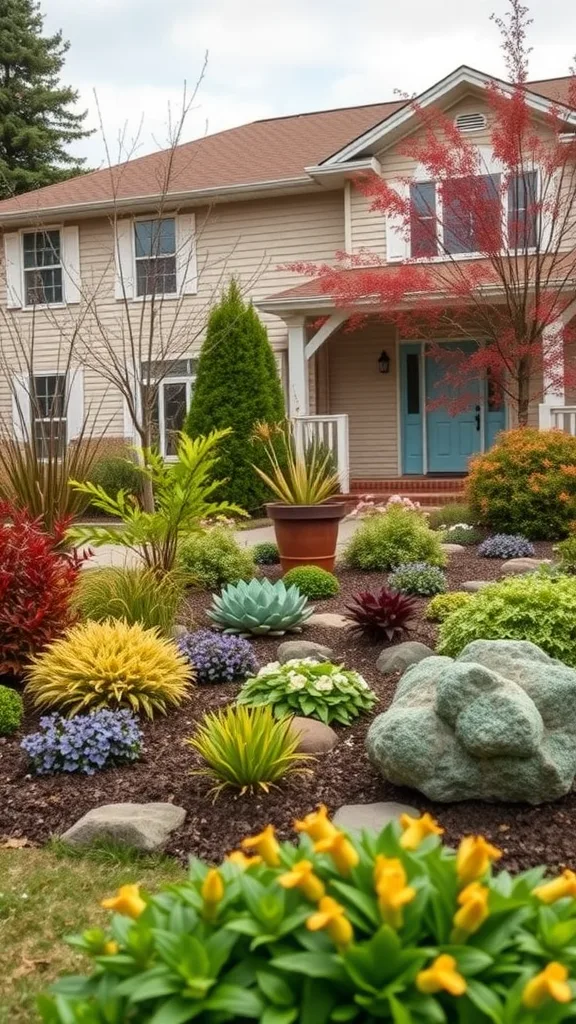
(314, 582)
(110, 664)
(303, 686)
(397, 536)
(11, 711)
(441, 606)
(215, 558)
(392, 927)
(266, 553)
(418, 578)
(525, 484)
(503, 545)
(218, 657)
(536, 607)
(86, 743)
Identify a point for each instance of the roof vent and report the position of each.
(470, 122)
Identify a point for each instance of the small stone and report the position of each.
(519, 566)
(328, 620)
(356, 817)
(303, 649)
(143, 826)
(401, 656)
(473, 586)
(314, 736)
(452, 549)
(178, 630)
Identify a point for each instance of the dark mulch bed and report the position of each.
(39, 807)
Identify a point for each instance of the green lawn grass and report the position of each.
(49, 893)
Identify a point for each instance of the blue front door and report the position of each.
(452, 440)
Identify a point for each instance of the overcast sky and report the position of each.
(268, 58)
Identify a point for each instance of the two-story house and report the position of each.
(249, 202)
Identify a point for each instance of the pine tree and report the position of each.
(36, 120)
(237, 385)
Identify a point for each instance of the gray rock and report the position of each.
(178, 630)
(329, 620)
(519, 566)
(452, 549)
(473, 586)
(401, 656)
(303, 649)
(144, 826)
(357, 817)
(314, 736)
(498, 723)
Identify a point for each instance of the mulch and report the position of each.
(37, 808)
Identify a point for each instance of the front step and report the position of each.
(430, 492)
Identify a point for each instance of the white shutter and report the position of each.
(70, 240)
(549, 198)
(75, 407)
(397, 242)
(13, 264)
(124, 255)
(21, 406)
(186, 264)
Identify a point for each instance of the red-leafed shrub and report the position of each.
(386, 615)
(36, 583)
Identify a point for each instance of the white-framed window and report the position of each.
(174, 385)
(42, 266)
(155, 256)
(42, 263)
(49, 413)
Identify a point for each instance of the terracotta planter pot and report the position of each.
(307, 534)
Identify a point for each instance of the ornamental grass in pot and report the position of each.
(305, 516)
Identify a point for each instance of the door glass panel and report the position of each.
(413, 384)
(174, 414)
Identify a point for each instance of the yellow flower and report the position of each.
(551, 983)
(242, 861)
(110, 948)
(416, 830)
(558, 888)
(212, 892)
(474, 857)
(473, 902)
(344, 855)
(331, 916)
(265, 845)
(302, 877)
(392, 889)
(317, 824)
(127, 901)
(441, 976)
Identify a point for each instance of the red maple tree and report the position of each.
(510, 202)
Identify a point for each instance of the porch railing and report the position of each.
(331, 431)
(564, 418)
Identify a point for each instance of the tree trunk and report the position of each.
(147, 488)
(524, 377)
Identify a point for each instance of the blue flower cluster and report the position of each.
(85, 743)
(218, 657)
(506, 545)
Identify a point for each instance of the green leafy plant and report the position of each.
(525, 484)
(11, 711)
(266, 553)
(110, 665)
(441, 606)
(566, 552)
(390, 927)
(398, 535)
(314, 582)
(115, 474)
(313, 689)
(419, 578)
(247, 749)
(295, 477)
(214, 558)
(450, 515)
(132, 594)
(460, 533)
(182, 494)
(260, 607)
(539, 607)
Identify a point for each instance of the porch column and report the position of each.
(553, 394)
(298, 398)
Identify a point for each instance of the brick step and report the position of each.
(409, 485)
(428, 499)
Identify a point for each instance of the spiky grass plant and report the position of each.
(296, 477)
(110, 665)
(247, 749)
(135, 595)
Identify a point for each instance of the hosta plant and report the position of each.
(260, 607)
(247, 749)
(314, 582)
(266, 553)
(504, 545)
(86, 743)
(110, 664)
(218, 657)
(11, 710)
(418, 578)
(391, 927)
(303, 686)
(441, 606)
(386, 615)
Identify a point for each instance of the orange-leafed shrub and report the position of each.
(526, 484)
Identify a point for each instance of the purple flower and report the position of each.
(218, 657)
(84, 743)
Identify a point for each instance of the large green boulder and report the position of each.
(496, 723)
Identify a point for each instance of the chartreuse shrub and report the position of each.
(525, 484)
(214, 558)
(314, 582)
(538, 607)
(303, 686)
(110, 664)
(132, 594)
(390, 927)
(397, 536)
(11, 711)
(441, 606)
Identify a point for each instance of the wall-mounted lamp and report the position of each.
(384, 362)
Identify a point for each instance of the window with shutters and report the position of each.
(155, 253)
(42, 260)
(48, 410)
(174, 384)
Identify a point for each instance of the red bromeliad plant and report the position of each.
(511, 205)
(386, 615)
(36, 583)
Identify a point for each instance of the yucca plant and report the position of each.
(260, 607)
(385, 615)
(132, 594)
(296, 477)
(247, 749)
(110, 665)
